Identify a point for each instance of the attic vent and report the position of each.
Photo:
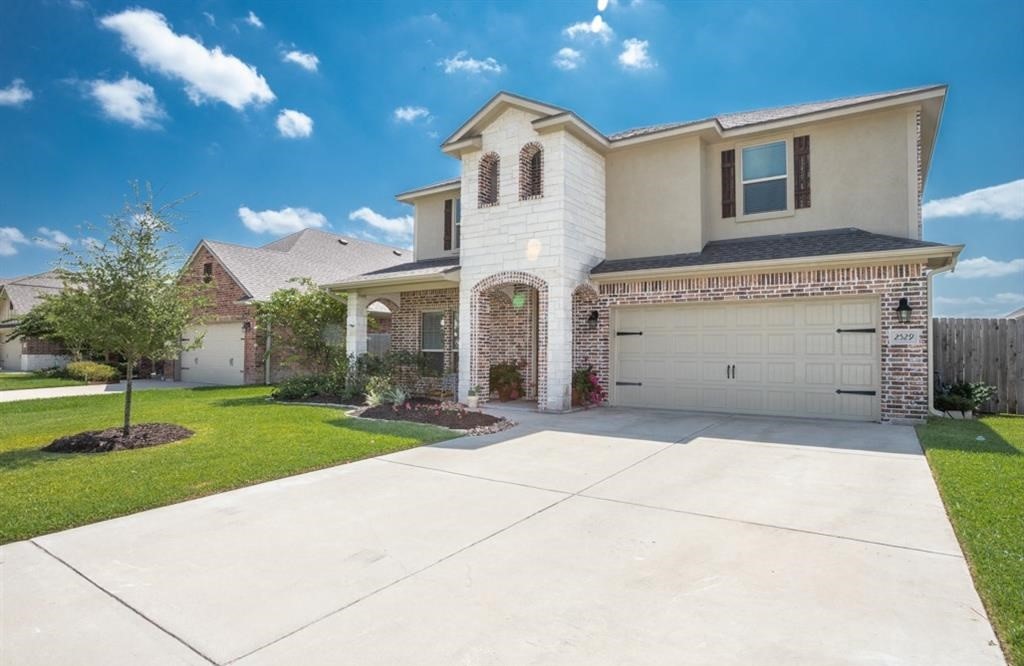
(342, 241)
(397, 253)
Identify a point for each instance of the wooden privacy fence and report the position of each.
(983, 350)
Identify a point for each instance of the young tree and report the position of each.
(59, 318)
(308, 320)
(125, 297)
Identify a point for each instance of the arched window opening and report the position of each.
(488, 186)
(531, 171)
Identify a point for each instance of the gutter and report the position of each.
(266, 356)
(384, 282)
(951, 251)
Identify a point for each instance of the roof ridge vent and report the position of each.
(396, 253)
(343, 241)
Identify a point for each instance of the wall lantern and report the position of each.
(592, 320)
(903, 311)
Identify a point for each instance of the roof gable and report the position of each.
(494, 108)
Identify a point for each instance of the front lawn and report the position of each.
(982, 485)
(10, 381)
(240, 439)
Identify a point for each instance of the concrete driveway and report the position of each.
(603, 537)
(18, 395)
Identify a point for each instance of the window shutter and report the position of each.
(728, 183)
(447, 224)
(802, 166)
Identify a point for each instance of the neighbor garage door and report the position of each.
(810, 358)
(220, 360)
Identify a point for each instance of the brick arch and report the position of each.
(590, 342)
(481, 349)
(387, 302)
(531, 171)
(488, 174)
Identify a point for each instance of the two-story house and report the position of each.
(767, 262)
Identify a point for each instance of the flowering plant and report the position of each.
(586, 387)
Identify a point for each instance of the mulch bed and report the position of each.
(112, 439)
(430, 412)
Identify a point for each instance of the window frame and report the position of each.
(423, 349)
(207, 272)
(787, 141)
(456, 212)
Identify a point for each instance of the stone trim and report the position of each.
(904, 369)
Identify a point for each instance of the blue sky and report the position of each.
(282, 114)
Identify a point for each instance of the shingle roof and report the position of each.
(26, 291)
(763, 248)
(410, 269)
(448, 182)
(745, 118)
(321, 256)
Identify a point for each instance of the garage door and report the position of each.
(809, 358)
(221, 359)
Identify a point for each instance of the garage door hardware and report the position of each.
(629, 383)
(857, 392)
(855, 330)
(730, 372)
(629, 332)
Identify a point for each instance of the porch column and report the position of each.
(466, 324)
(355, 332)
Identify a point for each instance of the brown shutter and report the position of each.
(728, 183)
(802, 166)
(447, 224)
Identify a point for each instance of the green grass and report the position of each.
(240, 439)
(10, 381)
(982, 485)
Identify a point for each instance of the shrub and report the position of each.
(964, 396)
(309, 386)
(377, 390)
(399, 367)
(87, 371)
(507, 380)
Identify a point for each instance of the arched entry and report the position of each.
(509, 312)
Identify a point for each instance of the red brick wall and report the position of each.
(512, 331)
(904, 369)
(37, 346)
(406, 321)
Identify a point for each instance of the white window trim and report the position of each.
(787, 141)
(456, 224)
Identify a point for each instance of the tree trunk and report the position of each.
(128, 399)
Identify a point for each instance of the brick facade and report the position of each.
(904, 369)
(37, 346)
(406, 324)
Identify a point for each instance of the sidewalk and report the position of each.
(90, 389)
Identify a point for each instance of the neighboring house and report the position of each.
(231, 351)
(750, 263)
(1016, 314)
(17, 297)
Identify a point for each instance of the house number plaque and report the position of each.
(905, 336)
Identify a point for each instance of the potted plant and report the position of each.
(586, 388)
(473, 397)
(961, 400)
(506, 381)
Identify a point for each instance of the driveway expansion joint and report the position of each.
(124, 603)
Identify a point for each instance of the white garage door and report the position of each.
(221, 359)
(811, 358)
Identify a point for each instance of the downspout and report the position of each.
(931, 342)
(266, 357)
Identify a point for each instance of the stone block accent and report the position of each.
(904, 369)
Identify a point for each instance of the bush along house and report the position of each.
(766, 262)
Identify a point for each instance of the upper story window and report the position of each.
(208, 271)
(452, 224)
(487, 189)
(765, 178)
(531, 171)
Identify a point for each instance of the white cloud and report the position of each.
(460, 62)
(294, 124)
(15, 94)
(253, 20)
(128, 101)
(634, 54)
(995, 305)
(393, 228)
(52, 239)
(1004, 201)
(602, 5)
(596, 28)
(306, 61)
(207, 73)
(284, 221)
(983, 267)
(9, 237)
(410, 114)
(567, 59)
(211, 18)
